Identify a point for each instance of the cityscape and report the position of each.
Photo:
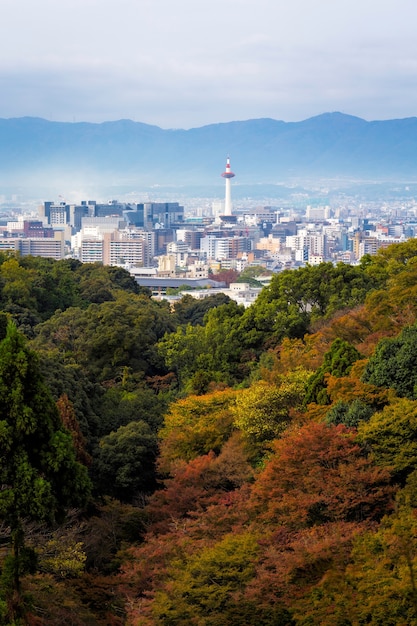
(208, 313)
(166, 245)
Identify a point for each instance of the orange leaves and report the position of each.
(316, 493)
(319, 474)
(198, 484)
(292, 562)
(349, 388)
(196, 425)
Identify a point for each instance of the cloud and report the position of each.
(182, 64)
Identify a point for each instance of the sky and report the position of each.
(186, 64)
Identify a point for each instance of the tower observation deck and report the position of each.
(228, 175)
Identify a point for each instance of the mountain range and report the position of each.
(262, 151)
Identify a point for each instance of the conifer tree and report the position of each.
(39, 474)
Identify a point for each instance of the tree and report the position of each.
(214, 349)
(319, 474)
(393, 364)
(70, 422)
(295, 298)
(189, 310)
(378, 585)
(125, 462)
(349, 413)
(262, 411)
(118, 407)
(39, 473)
(198, 484)
(108, 337)
(337, 362)
(199, 588)
(391, 435)
(196, 425)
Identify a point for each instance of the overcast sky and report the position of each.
(184, 63)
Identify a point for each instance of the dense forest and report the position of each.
(209, 464)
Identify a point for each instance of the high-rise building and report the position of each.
(228, 175)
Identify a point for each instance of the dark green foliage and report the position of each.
(39, 473)
(24, 318)
(191, 311)
(111, 526)
(214, 348)
(124, 465)
(337, 362)
(119, 406)
(85, 395)
(394, 364)
(33, 288)
(349, 413)
(3, 325)
(200, 382)
(35, 448)
(121, 279)
(106, 338)
(295, 298)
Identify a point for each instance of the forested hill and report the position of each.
(229, 465)
(34, 152)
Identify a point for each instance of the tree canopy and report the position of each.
(40, 475)
(243, 466)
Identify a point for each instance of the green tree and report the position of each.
(393, 364)
(118, 407)
(390, 261)
(337, 362)
(214, 348)
(295, 298)
(349, 413)
(189, 310)
(39, 473)
(124, 466)
(108, 337)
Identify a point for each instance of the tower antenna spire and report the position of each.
(228, 175)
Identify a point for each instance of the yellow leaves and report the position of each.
(63, 558)
(382, 576)
(262, 411)
(196, 425)
(206, 582)
(391, 435)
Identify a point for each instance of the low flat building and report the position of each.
(159, 284)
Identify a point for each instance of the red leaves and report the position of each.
(319, 474)
(317, 492)
(292, 562)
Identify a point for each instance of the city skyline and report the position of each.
(187, 64)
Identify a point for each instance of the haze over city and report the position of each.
(186, 64)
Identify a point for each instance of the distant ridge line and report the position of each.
(263, 150)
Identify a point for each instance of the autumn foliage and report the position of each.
(249, 467)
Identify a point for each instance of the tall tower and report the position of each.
(228, 174)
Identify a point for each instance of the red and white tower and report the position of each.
(228, 175)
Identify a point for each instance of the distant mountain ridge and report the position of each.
(261, 151)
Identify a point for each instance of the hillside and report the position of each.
(245, 466)
(36, 151)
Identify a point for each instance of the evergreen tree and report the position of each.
(337, 362)
(393, 365)
(39, 474)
